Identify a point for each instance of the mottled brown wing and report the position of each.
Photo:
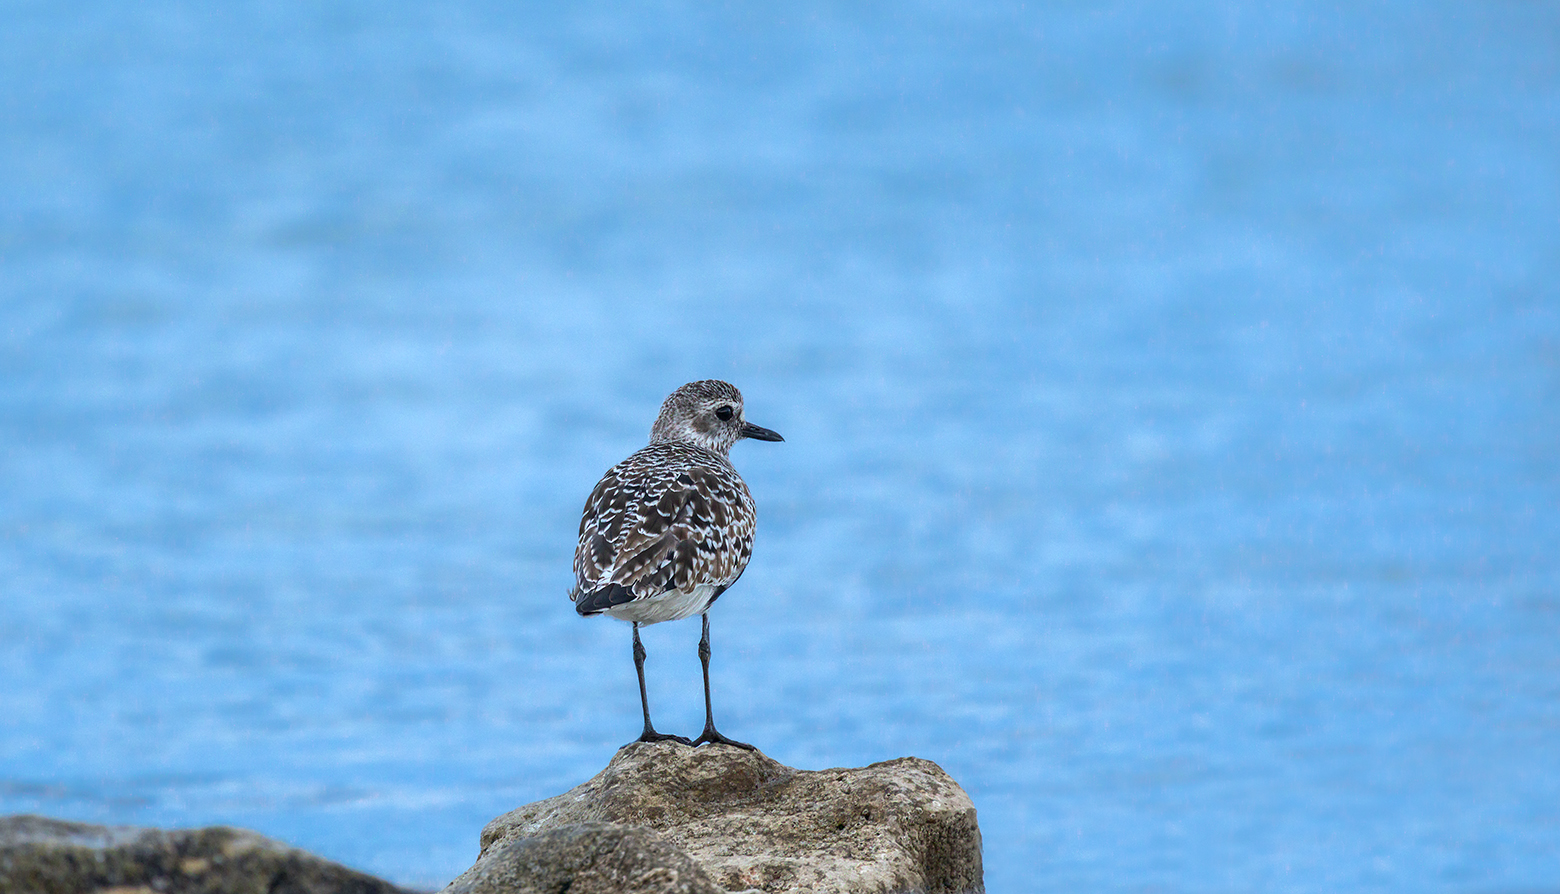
(652, 527)
(600, 524)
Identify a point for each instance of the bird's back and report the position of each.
(662, 535)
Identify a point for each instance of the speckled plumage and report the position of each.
(667, 530)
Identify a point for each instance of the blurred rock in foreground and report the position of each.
(749, 822)
(585, 858)
(47, 856)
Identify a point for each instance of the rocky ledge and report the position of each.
(668, 818)
(660, 819)
(48, 856)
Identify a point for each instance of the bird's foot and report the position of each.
(650, 735)
(711, 734)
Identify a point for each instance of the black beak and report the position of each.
(757, 433)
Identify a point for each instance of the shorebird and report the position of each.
(667, 530)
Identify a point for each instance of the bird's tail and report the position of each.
(598, 601)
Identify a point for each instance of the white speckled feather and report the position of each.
(668, 529)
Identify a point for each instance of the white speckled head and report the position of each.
(706, 414)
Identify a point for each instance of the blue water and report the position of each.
(1171, 396)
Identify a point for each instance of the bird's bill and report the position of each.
(759, 433)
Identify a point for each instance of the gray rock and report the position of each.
(47, 856)
(585, 858)
(752, 823)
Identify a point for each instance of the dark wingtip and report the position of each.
(598, 601)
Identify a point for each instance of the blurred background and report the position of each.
(1171, 395)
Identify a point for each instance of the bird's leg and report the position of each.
(649, 735)
(710, 734)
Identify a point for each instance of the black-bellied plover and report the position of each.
(667, 530)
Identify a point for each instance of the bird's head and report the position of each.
(706, 414)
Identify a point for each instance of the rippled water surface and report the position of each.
(1170, 392)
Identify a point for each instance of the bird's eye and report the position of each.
(725, 413)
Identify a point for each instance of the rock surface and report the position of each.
(752, 823)
(586, 858)
(48, 856)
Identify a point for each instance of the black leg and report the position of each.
(649, 735)
(710, 734)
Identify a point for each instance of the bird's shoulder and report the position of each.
(658, 478)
